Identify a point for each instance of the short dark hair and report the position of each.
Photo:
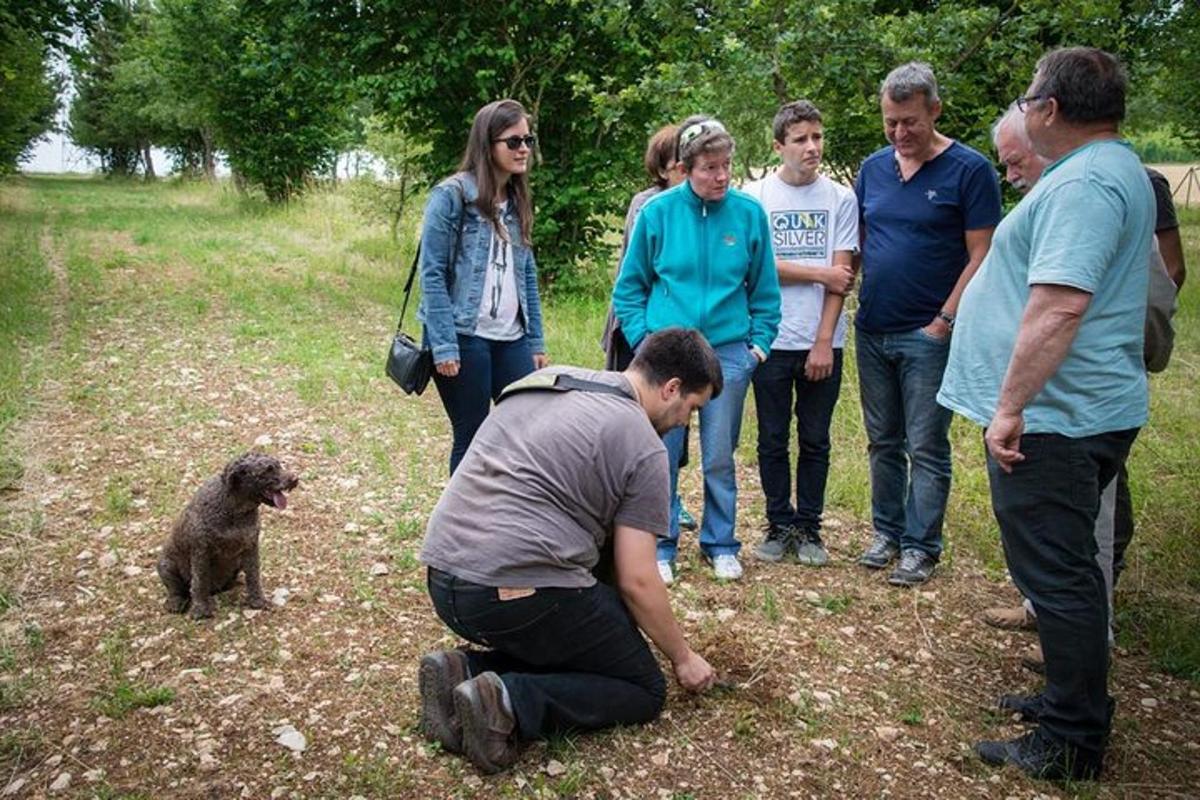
(791, 113)
(1088, 83)
(660, 154)
(679, 353)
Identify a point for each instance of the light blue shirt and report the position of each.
(1086, 224)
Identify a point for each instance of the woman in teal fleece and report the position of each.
(700, 257)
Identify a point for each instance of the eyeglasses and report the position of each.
(515, 142)
(1023, 102)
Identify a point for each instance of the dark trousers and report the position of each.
(485, 367)
(571, 659)
(1047, 509)
(777, 382)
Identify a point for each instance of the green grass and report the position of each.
(25, 285)
(121, 695)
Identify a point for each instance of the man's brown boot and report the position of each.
(439, 673)
(1010, 619)
(1032, 659)
(488, 730)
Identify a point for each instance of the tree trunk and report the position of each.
(208, 157)
(147, 161)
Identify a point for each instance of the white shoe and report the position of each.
(666, 572)
(727, 567)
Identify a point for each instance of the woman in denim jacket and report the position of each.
(479, 295)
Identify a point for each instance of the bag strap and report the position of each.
(558, 382)
(412, 273)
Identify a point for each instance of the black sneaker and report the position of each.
(915, 567)
(1040, 756)
(881, 552)
(1028, 706)
(776, 543)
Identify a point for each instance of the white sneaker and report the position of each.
(666, 572)
(727, 567)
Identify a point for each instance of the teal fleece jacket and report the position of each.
(700, 264)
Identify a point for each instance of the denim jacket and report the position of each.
(453, 269)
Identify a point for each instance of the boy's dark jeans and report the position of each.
(571, 659)
(778, 381)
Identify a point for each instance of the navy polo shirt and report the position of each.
(914, 248)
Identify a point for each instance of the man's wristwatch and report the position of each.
(946, 318)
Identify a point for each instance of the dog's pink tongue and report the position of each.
(279, 499)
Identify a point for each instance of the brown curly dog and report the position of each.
(216, 536)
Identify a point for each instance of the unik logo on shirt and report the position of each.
(800, 234)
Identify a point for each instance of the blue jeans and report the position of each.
(571, 659)
(908, 435)
(485, 367)
(776, 383)
(720, 427)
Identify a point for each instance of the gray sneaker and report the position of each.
(916, 566)
(810, 550)
(776, 543)
(881, 552)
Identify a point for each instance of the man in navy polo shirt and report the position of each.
(928, 206)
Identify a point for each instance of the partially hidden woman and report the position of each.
(664, 172)
(479, 296)
(700, 257)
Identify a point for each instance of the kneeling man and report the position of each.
(567, 459)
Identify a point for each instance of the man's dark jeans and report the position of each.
(1047, 509)
(571, 659)
(776, 382)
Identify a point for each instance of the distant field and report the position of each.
(1176, 174)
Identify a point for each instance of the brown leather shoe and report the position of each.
(488, 731)
(438, 674)
(1032, 659)
(1010, 619)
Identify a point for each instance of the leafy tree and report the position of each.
(571, 64)
(112, 112)
(28, 95)
(280, 108)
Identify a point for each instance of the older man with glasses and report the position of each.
(1048, 357)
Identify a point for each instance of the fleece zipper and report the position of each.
(704, 250)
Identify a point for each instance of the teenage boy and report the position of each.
(814, 232)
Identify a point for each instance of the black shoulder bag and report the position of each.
(409, 364)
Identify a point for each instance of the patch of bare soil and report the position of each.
(834, 683)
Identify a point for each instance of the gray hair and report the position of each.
(1013, 119)
(906, 80)
(699, 134)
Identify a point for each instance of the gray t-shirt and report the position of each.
(546, 478)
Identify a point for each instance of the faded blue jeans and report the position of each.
(720, 428)
(908, 435)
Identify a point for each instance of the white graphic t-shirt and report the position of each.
(808, 223)
(498, 308)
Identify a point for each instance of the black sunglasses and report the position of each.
(515, 142)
